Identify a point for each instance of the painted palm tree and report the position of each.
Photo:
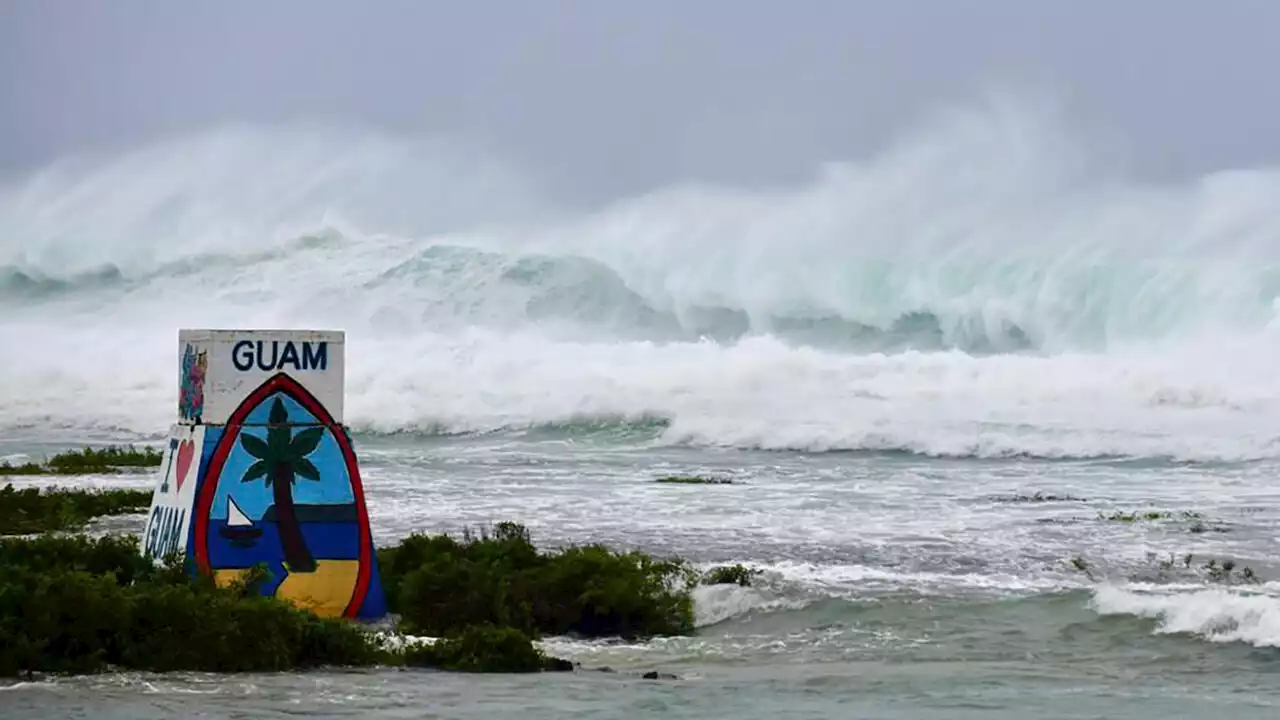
(281, 460)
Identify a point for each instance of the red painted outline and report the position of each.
(283, 383)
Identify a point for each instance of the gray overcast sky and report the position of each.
(607, 98)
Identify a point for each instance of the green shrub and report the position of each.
(119, 556)
(729, 575)
(78, 605)
(441, 586)
(190, 627)
(34, 510)
(69, 621)
(28, 468)
(484, 648)
(89, 460)
(75, 605)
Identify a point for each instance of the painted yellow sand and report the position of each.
(223, 578)
(324, 592)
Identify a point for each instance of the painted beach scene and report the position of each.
(891, 361)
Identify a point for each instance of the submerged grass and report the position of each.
(1174, 567)
(1196, 521)
(35, 510)
(1039, 496)
(111, 459)
(1148, 515)
(693, 480)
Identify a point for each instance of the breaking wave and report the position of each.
(458, 287)
(1214, 615)
(984, 287)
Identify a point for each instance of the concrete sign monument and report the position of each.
(260, 469)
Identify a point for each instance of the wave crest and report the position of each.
(1215, 615)
(983, 288)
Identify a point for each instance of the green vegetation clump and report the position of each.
(1081, 565)
(1225, 572)
(74, 604)
(32, 510)
(115, 555)
(1041, 497)
(440, 586)
(484, 648)
(1148, 515)
(89, 461)
(81, 605)
(729, 575)
(1197, 523)
(28, 468)
(693, 480)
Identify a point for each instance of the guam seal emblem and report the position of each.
(284, 489)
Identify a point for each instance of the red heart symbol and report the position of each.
(186, 450)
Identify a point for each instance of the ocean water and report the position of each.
(890, 361)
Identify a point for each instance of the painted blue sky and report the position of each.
(255, 497)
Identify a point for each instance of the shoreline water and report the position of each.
(892, 587)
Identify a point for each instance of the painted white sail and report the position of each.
(236, 516)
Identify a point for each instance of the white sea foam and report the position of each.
(855, 581)
(1216, 615)
(715, 604)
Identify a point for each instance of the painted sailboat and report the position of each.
(239, 528)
